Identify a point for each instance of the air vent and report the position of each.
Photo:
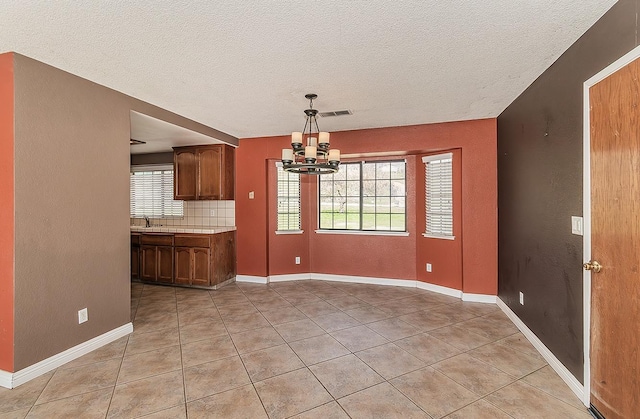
(335, 113)
(136, 142)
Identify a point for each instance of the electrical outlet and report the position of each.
(297, 260)
(521, 298)
(83, 316)
(252, 195)
(428, 267)
(212, 213)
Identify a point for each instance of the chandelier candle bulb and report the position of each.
(334, 155)
(313, 142)
(310, 152)
(323, 138)
(296, 138)
(287, 154)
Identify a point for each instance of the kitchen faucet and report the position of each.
(146, 220)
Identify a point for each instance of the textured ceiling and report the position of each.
(243, 67)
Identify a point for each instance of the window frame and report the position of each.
(432, 159)
(361, 231)
(162, 197)
(298, 230)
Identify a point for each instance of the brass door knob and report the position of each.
(593, 266)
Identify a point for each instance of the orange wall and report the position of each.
(371, 256)
(251, 169)
(380, 256)
(282, 261)
(6, 212)
(445, 256)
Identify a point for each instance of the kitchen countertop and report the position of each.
(183, 229)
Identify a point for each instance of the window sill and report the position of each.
(431, 236)
(286, 232)
(365, 233)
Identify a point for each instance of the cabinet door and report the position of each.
(209, 172)
(231, 255)
(148, 263)
(183, 265)
(165, 264)
(201, 266)
(184, 174)
(135, 262)
(228, 173)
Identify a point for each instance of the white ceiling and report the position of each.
(160, 136)
(243, 67)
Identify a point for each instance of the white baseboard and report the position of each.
(252, 279)
(439, 289)
(409, 283)
(12, 380)
(6, 378)
(479, 298)
(551, 359)
(288, 277)
(365, 280)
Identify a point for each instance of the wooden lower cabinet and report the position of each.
(156, 258)
(165, 264)
(193, 266)
(135, 261)
(192, 260)
(201, 267)
(148, 263)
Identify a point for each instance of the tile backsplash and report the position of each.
(199, 213)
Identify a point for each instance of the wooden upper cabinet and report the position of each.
(204, 172)
(184, 174)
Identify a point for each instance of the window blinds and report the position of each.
(151, 189)
(439, 194)
(288, 200)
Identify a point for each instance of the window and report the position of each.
(288, 200)
(368, 196)
(439, 195)
(151, 189)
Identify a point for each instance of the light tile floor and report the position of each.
(306, 349)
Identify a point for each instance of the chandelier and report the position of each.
(314, 158)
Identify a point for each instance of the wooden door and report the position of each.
(165, 264)
(184, 174)
(183, 265)
(209, 172)
(615, 243)
(148, 263)
(201, 272)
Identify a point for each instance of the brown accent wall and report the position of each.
(71, 187)
(72, 210)
(540, 187)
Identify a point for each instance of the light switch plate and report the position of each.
(429, 268)
(252, 195)
(577, 226)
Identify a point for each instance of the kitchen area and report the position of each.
(182, 206)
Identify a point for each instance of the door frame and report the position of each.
(586, 209)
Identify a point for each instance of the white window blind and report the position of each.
(151, 189)
(439, 195)
(288, 200)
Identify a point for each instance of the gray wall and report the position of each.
(540, 188)
(152, 158)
